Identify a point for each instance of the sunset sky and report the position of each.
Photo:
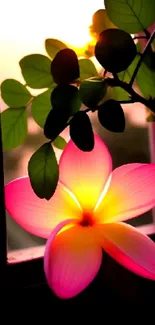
(24, 25)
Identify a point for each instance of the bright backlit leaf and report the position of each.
(14, 93)
(60, 142)
(100, 22)
(117, 92)
(81, 131)
(132, 16)
(14, 127)
(43, 171)
(87, 69)
(149, 59)
(36, 71)
(65, 67)
(53, 46)
(115, 50)
(41, 106)
(111, 116)
(146, 80)
(92, 90)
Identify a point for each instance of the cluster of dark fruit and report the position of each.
(115, 50)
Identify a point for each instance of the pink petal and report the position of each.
(72, 260)
(131, 193)
(39, 216)
(129, 247)
(85, 173)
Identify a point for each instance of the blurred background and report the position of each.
(24, 26)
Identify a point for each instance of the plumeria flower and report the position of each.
(86, 215)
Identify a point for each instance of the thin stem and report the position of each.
(3, 232)
(142, 58)
(130, 101)
(140, 37)
(147, 33)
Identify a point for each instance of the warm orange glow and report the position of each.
(25, 26)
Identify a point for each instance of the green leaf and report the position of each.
(100, 22)
(14, 93)
(53, 46)
(65, 101)
(36, 71)
(115, 50)
(92, 90)
(87, 69)
(81, 131)
(14, 127)
(131, 16)
(41, 107)
(43, 171)
(146, 80)
(111, 116)
(60, 142)
(66, 98)
(65, 67)
(117, 92)
(149, 59)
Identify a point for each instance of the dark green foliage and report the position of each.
(81, 131)
(65, 67)
(115, 50)
(111, 116)
(43, 171)
(65, 101)
(92, 91)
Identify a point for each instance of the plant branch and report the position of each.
(142, 58)
(135, 97)
(140, 37)
(3, 232)
(147, 33)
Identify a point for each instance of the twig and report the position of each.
(142, 58)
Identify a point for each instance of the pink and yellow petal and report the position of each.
(72, 260)
(35, 215)
(129, 247)
(131, 193)
(85, 173)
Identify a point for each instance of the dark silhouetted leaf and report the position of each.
(65, 101)
(65, 67)
(53, 46)
(92, 91)
(131, 16)
(60, 142)
(36, 71)
(67, 98)
(100, 22)
(43, 171)
(55, 123)
(41, 106)
(14, 127)
(14, 93)
(111, 116)
(115, 50)
(87, 69)
(81, 131)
